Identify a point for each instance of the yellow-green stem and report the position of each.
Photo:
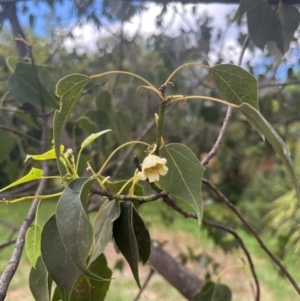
(204, 98)
(183, 66)
(160, 123)
(116, 150)
(32, 197)
(122, 72)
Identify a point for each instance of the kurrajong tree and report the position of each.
(66, 254)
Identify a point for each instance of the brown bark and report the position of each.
(9, 10)
(174, 272)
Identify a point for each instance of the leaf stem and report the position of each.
(122, 72)
(116, 150)
(31, 197)
(183, 66)
(182, 97)
(160, 122)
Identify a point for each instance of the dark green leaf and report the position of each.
(115, 187)
(68, 89)
(142, 236)
(6, 141)
(245, 5)
(125, 238)
(93, 290)
(104, 101)
(235, 84)
(107, 214)
(56, 295)
(56, 259)
(183, 179)
(25, 87)
(74, 225)
(289, 17)
(264, 26)
(212, 291)
(38, 281)
(268, 132)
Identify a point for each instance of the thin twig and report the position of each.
(213, 152)
(253, 232)
(19, 133)
(7, 243)
(242, 245)
(170, 202)
(14, 261)
(9, 225)
(151, 273)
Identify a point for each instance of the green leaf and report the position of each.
(245, 5)
(115, 187)
(49, 155)
(235, 84)
(93, 290)
(142, 236)
(74, 225)
(38, 281)
(25, 87)
(6, 141)
(183, 179)
(56, 295)
(68, 89)
(92, 137)
(212, 291)
(125, 239)
(107, 214)
(33, 243)
(34, 174)
(264, 26)
(289, 17)
(56, 259)
(268, 132)
(104, 101)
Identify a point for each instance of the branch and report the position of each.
(8, 243)
(19, 133)
(9, 10)
(213, 152)
(240, 241)
(174, 272)
(253, 232)
(151, 273)
(170, 202)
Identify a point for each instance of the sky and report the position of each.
(86, 35)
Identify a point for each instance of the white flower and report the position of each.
(153, 167)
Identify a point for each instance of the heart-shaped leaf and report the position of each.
(93, 290)
(235, 84)
(268, 132)
(25, 87)
(107, 214)
(142, 236)
(68, 89)
(74, 225)
(125, 239)
(183, 179)
(244, 6)
(264, 26)
(56, 259)
(34, 174)
(38, 281)
(289, 17)
(33, 243)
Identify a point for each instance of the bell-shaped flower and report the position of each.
(153, 167)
